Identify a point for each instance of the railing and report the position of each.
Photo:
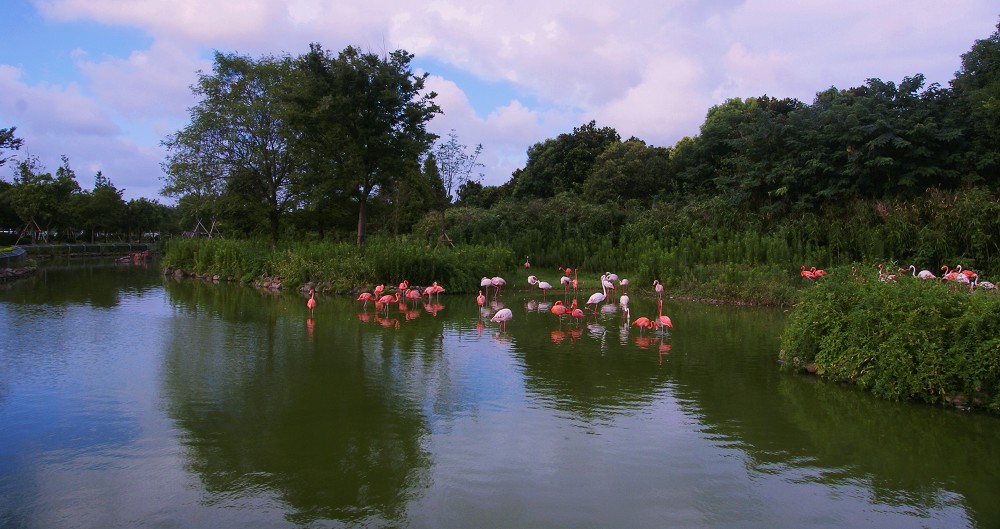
(67, 250)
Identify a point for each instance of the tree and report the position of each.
(43, 202)
(977, 86)
(564, 163)
(237, 144)
(454, 167)
(628, 170)
(362, 119)
(103, 210)
(8, 142)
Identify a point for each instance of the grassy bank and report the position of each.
(933, 341)
(340, 266)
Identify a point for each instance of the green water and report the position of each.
(132, 400)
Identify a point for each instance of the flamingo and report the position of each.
(984, 284)
(577, 314)
(497, 282)
(486, 283)
(663, 321)
(606, 282)
(378, 290)
(481, 299)
(643, 323)
(658, 287)
(624, 285)
(596, 298)
(817, 273)
(808, 274)
(404, 285)
(311, 304)
(366, 297)
(501, 317)
(532, 280)
(924, 274)
(385, 300)
(413, 295)
(559, 310)
(545, 286)
(575, 282)
(565, 281)
(527, 265)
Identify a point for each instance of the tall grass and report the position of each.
(340, 265)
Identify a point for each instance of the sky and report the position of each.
(103, 82)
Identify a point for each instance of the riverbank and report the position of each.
(12, 274)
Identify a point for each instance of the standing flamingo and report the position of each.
(413, 295)
(498, 282)
(643, 323)
(385, 300)
(559, 310)
(365, 296)
(527, 265)
(624, 285)
(501, 317)
(545, 286)
(577, 314)
(923, 274)
(311, 304)
(658, 287)
(481, 299)
(663, 321)
(597, 297)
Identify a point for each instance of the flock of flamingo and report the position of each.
(957, 276)
(493, 286)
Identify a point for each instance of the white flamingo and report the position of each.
(502, 317)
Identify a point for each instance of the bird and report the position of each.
(385, 300)
(413, 295)
(559, 310)
(923, 274)
(378, 290)
(481, 299)
(596, 298)
(658, 287)
(404, 285)
(808, 274)
(532, 280)
(565, 282)
(663, 321)
(643, 323)
(623, 301)
(497, 282)
(366, 297)
(527, 265)
(545, 286)
(576, 314)
(624, 285)
(311, 304)
(501, 317)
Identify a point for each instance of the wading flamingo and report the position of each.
(643, 323)
(502, 317)
(366, 297)
(663, 321)
(311, 304)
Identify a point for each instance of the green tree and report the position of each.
(43, 202)
(564, 163)
(102, 212)
(453, 167)
(977, 86)
(237, 144)
(628, 170)
(362, 118)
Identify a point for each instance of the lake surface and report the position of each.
(132, 400)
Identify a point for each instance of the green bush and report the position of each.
(932, 341)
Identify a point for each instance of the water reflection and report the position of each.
(426, 414)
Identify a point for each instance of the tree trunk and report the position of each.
(361, 222)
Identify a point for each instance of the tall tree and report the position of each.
(363, 120)
(238, 141)
(455, 166)
(977, 86)
(564, 163)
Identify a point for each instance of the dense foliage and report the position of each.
(907, 338)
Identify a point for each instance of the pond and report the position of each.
(128, 399)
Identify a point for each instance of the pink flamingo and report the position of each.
(502, 317)
(385, 300)
(311, 304)
(658, 287)
(596, 298)
(923, 274)
(663, 321)
(365, 296)
(481, 299)
(559, 310)
(413, 295)
(497, 282)
(643, 323)
(527, 265)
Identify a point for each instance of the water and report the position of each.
(132, 400)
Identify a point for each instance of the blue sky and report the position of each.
(104, 81)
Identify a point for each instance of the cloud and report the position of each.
(148, 83)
